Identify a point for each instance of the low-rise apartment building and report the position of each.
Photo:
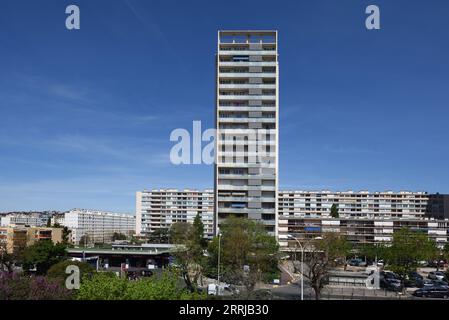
(97, 226)
(17, 237)
(160, 209)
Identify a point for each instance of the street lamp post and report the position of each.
(302, 264)
(218, 265)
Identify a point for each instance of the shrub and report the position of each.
(57, 271)
(15, 286)
(103, 286)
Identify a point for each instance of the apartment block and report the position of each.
(26, 219)
(359, 230)
(97, 226)
(17, 237)
(160, 209)
(247, 110)
(387, 204)
(57, 219)
(364, 217)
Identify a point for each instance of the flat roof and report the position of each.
(247, 32)
(118, 252)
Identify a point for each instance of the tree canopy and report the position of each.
(407, 249)
(107, 286)
(247, 252)
(334, 211)
(58, 270)
(118, 236)
(42, 255)
(321, 255)
(191, 259)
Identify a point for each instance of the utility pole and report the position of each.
(218, 266)
(302, 264)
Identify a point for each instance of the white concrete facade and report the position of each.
(98, 226)
(160, 209)
(247, 112)
(31, 219)
(386, 204)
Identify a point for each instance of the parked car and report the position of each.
(440, 283)
(427, 283)
(390, 275)
(354, 262)
(432, 292)
(436, 275)
(415, 274)
(423, 263)
(390, 284)
(415, 280)
(436, 263)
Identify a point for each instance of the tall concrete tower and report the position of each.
(247, 116)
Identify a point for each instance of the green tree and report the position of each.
(445, 251)
(247, 253)
(42, 255)
(373, 251)
(189, 257)
(334, 211)
(65, 235)
(48, 222)
(159, 236)
(118, 236)
(7, 259)
(321, 256)
(445, 254)
(84, 240)
(107, 286)
(57, 271)
(407, 249)
(198, 230)
(180, 232)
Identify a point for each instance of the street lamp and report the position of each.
(218, 265)
(302, 264)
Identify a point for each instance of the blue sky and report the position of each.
(85, 116)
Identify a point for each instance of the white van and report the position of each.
(212, 289)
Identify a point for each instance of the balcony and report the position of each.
(241, 153)
(245, 188)
(245, 143)
(247, 97)
(232, 210)
(247, 108)
(247, 64)
(271, 86)
(247, 176)
(246, 120)
(231, 165)
(245, 199)
(247, 74)
(272, 132)
(263, 52)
